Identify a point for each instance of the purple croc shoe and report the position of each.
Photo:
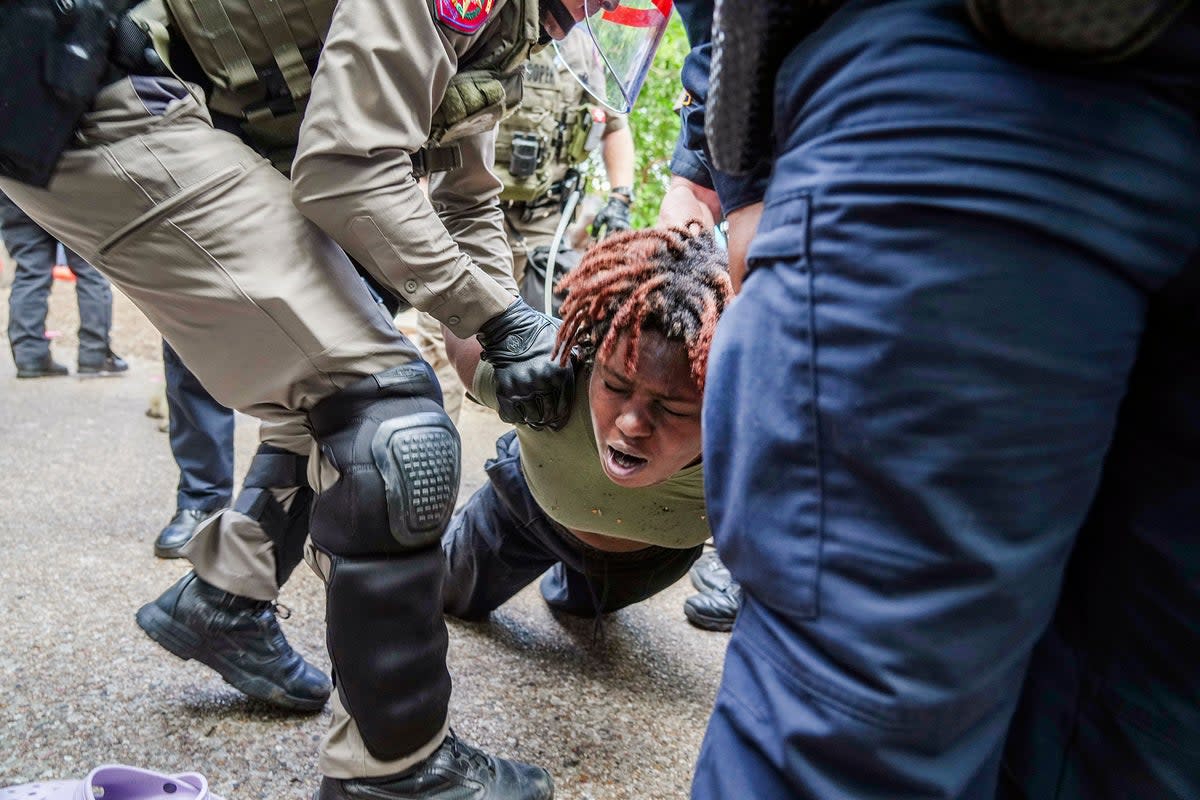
(116, 782)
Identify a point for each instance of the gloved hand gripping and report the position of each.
(612, 218)
(531, 387)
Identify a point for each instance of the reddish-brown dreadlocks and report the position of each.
(671, 280)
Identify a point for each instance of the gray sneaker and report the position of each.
(709, 574)
(716, 609)
(110, 366)
(45, 367)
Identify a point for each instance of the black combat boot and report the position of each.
(456, 771)
(237, 636)
(45, 367)
(107, 366)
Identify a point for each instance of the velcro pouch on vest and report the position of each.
(555, 117)
(257, 53)
(578, 126)
(54, 58)
(275, 136)
(526, 190)
(1093, 32)
(474, 102)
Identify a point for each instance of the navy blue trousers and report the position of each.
(952, 427)
(33, 251)
(201, 432)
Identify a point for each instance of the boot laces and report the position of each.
(276, 641)
(473, 755)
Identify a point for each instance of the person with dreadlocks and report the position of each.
(614, 501)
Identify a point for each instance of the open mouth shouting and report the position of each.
(620, 464)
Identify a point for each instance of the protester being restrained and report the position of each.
(614, 501)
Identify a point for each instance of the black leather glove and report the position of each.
(612, 218)
(530, 387)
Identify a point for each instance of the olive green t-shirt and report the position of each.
(566, 479)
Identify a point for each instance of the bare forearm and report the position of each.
(464, 355)
(619, 157)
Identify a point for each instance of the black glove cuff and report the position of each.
(625, 192)
(509, 335)
(621, 201)
(495, 329)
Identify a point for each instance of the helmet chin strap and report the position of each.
(556, 9)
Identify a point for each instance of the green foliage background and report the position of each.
(655, 127)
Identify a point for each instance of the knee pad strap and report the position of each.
(271, 470)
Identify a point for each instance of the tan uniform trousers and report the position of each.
(201, 234)
(428, 337)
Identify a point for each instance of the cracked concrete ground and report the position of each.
(86, 482)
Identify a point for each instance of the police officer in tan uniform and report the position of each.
(539, 149)
(200, 231)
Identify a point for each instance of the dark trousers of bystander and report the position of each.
(33, 251)
(201, 431)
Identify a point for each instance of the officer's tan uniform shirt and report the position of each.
(383, 72)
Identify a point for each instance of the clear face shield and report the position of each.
(611, 50)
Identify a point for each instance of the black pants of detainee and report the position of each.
(501, 540)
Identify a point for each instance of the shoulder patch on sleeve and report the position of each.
(463, 16)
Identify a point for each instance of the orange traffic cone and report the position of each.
(62, 272)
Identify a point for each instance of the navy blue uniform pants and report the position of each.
(201, 432)
(33, 251)
(952, 427)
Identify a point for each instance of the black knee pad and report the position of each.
(275, 468)
(398, 459)
(387, 640)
